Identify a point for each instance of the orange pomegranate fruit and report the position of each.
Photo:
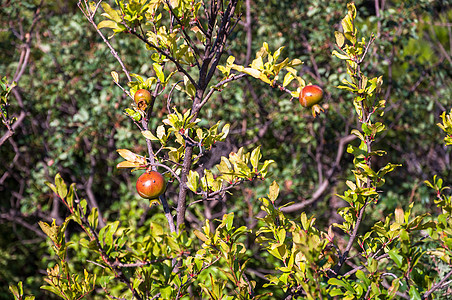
(142, 98)
(310, 95)
(150, 185)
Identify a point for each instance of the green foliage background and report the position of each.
(75, 119)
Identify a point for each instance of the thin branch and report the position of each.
(324, 185)
(18, 220)
(386, 285)
(181, 203)
(372, 39)
(90, 18)
(6, 136)
(344, 256)
(250, 286)
(436, 286)
(354, 270)
(168, 101)
(22, 65)
(220, 41)
(165, 53)
(249, 33)
(167, 211)
(215, 87)
(16, 124)
(167, 168)
(196, 275)
(208, 196)
(90, 193)
(28, 38)
(440, 45)
(141, 263)
(185, 34)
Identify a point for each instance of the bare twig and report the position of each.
(185, 34)
(372, 39)
(170, 95)
(90, 17)
(16, 124)
(167, 211)
(19, 220)
(219, 84)
(90, 193)
(324, 185)
(166, 53)
(436, 286)
(361, 267)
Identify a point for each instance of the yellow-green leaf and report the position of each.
(147, 134)
(287, 79)
(127, 164)
(340, 39)
(274, 191)
(108, 24)
(339, 55)
(110, 12)
(127, 154)
(115, 76)
(200, 235)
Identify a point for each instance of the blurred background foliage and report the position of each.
(74, 117)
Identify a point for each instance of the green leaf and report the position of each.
(388, 168)
(93, 218)
(273, 191)
(414, 294)
(115, 76)
(193, 180)
(257, 64)
(15, 291)
(360, 275)
(340, 56)
(277, 53)
(108, 24)
(255, 157)
(263, 169)
(336, 292)
(147, 134)
(228, 220)
(128, 155)
(60, 186)
(200, 235)
(396, 257)
(340, 39)
(224, 132)
(110, 12)
(343, 283)
(281, 234)
(52, 186)
(394, 288)
(166, 292)
(53, 290)
(159, 71)
(288, 78)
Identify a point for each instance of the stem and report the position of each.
(181, 203)
(344, 256)
(167, 212)
(90, 18)
(436, 286)
(365, 119)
